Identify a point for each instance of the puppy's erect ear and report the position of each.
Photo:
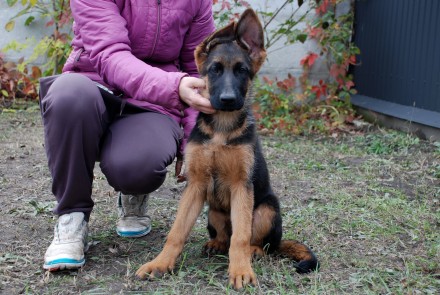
(220, 36)
(249, 35)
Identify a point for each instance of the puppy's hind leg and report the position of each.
(266, 230)
(219, 227)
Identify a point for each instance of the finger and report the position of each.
(203, 101)
(208, 111)
(203, 104)
(198, 102)
(204, 109)
(197, 83)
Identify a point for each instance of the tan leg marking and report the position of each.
(262, 224)
(221, 223)
(189, 209)
(240, 268)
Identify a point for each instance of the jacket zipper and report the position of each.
(78, 55)
(159, 10)
(76, 59)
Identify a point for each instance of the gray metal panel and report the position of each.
(400, 111)
(400, 51)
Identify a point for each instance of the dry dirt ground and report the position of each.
(368, 204)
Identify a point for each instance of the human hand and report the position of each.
(188, 92)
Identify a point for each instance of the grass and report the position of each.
(368, 204)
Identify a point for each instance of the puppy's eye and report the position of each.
(243, 70)
(215, 68)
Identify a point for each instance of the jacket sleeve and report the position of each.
(105, 37)
(201, 27)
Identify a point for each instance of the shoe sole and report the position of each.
(63, 263)
(133, 234)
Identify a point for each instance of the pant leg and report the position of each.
(136, 150)
(74, 119)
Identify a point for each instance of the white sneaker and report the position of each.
(69, 243)
(133, 220)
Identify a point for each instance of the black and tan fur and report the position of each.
(226, 167)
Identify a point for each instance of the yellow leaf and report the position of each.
(33, 2)
(10, 25)
(12, 111)
(5, 93)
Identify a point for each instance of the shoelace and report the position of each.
(67, 231)
(135, 206)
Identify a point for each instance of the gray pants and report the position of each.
(82, 126)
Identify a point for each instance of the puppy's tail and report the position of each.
(306, 260)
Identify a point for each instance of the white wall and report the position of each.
(285, 58)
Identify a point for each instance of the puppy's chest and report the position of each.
(225, 167)
(224, 161)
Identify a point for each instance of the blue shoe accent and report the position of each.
(66, 261)
(63, 263)
(133, 234)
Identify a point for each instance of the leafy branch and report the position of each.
(54, 48)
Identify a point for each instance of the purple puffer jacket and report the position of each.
(141, 48)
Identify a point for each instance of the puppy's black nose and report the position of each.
(227, 97)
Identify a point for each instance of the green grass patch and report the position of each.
(368, 204)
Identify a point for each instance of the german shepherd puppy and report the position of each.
(226, 167)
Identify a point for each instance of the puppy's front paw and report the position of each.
(155, 269)
(241, 276)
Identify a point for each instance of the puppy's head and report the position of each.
(229, 59)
